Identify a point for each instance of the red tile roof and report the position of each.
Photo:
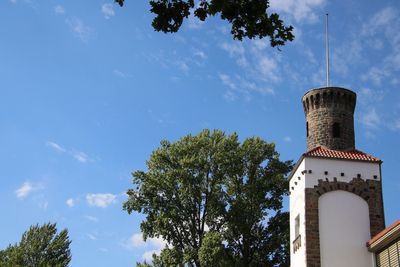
(324, 152)
(383, 233)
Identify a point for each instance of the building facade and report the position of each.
(336, 203)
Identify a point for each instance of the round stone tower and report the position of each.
(330, 118)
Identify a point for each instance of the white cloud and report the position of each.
(59, 9)
(371, 119)
(43, 204)
(27, 188)
(200, 54)
(148, 255)
(108, 10)
(91, 237)
(378, 33)
(91, 218)
(345, 56)
(226, 80)
(101, 200)
(194, 22)
(382, 18)
(56, 147)
(376, 75)
(395, 125)
(78, 155)
(236, 50)
(81, 156)
(80, 29)
(287, 139)
(268, 69)
(182, 66)
(70, 202)
(119, 73)
(153, 245)
(13, 1)
(367, 96)
(300, 10)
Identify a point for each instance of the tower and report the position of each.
(336, 201)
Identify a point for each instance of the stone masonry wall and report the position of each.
(325, 106)
(369, 190)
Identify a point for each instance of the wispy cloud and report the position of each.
(27, 188)
(300, 10)
(200, 54)
(226, 80)
(194, 22)
(371, 119)
(91, 237)
(236, 50)
(56, 146)
(78, 155)
(119, 73)
(70, 202)
(153, 245)
(13, 1)
(59, 9)
(91, 218)
(287, 139)
(239, 86)
(378, 33)
(81, 156)
(101, 200)
(80, 29)
(108, 10)
(268, 67)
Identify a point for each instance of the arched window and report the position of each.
(336, 130)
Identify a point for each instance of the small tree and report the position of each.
(211, 183)
(39, 246)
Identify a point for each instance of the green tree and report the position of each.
(39, 246)
(211, 183)
(248, 18)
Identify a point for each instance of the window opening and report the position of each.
(336, 130)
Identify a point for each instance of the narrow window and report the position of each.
(307, 128)
(297, 226)
(336, 130)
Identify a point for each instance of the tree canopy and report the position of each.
(214, 200)
(248, 18)
(39, 246)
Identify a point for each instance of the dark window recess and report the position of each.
(307, 128)
(336, 130)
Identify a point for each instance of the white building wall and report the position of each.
(344, 230)
(307, 174)
(335, 167)
(297, 205)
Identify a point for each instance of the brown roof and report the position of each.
(388, 235)
(325, 152)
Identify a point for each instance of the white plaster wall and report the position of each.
(344, 230)
(335, 167)
(297, 206)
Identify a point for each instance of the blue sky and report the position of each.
(88, 90)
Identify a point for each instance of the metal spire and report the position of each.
(327, 53)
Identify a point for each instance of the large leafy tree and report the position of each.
(214, 199)
(248, 18)
(39, 246)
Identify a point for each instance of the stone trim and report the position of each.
(369, 190)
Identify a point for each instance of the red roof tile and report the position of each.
(324, 152)
(384, 232)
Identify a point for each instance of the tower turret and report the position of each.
(330, 118)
